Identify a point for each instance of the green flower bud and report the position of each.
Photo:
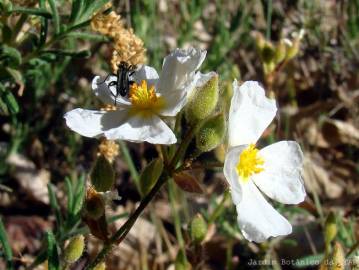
(181, 262)
(280, 51)
(100, 266)
(268, 53)
(102, 175)
(259, 40)
(150, 175)
(330, 230)
(74, 249)
(204, 98)
(294, 46)
(338, 257)
(94, 205)
(211, 133)
(198, 229)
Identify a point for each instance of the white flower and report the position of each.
(138, 117)
(274, 170)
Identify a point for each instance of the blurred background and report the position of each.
(317, 93)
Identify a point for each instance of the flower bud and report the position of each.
(211, 133)
(181, 262)
(94, 204)
(100, 266)
(150, 175)
(204, 98)
(293, 50)
(102, 175)
(280, 51)
(338, 257)
(74, 249)
(330, 230)
(198, 229)
(268, 53)
(259, 40)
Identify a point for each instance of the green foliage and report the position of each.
(6, 246)
(150, 175)
(52, 252)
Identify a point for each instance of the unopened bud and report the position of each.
(204, 98)
(259, 40)
(150, 175)
(330, 230)
(94, 204)
(280, 51)
(181, 262)
(338, 257)
(102, 175)
(198, 229)
(100, 266)
(211, 133)
(268, 53)
(74, 249)
(293, 50)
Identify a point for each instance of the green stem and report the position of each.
(123, 231)
(177, 221)
(130, 164)
(269, 20)
(219, 208)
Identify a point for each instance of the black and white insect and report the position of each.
(123, 80)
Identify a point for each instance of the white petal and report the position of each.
(250, 114)
(257, 219)
(90, 123)
(281, 178)
(146, 73)
(179, 68)
(139, 129)
(178, 77)
(108, 94)
(230, 172)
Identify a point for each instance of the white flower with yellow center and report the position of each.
(139, 116)
(274, 170)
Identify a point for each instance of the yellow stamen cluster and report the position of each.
(127, 46)
(109, 149)
(249, 163)
(144, 99)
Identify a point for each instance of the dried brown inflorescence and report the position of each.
(127, 46)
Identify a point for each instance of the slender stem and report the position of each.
(130, 164)
(177, 222)
(123, 231)
(219, 208)
(125, 228)
(269, 19)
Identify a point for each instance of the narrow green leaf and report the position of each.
(32, 11)
(91, 8)
(54, 205)
(11, 55)
(10, 102)
(150, 175)
(6, 246)
(55, 14)
(44, 25)
(79, 195)
(77, 7)
(62, 53)
(86, 36)
(70, 195)
(52, 254)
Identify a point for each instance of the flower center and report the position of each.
(249, 163)
(144, 100)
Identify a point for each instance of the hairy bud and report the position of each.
(211, 133)
(204, 98)
(330, 230)
(102, 175)
(74, 249)
(198, 229)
